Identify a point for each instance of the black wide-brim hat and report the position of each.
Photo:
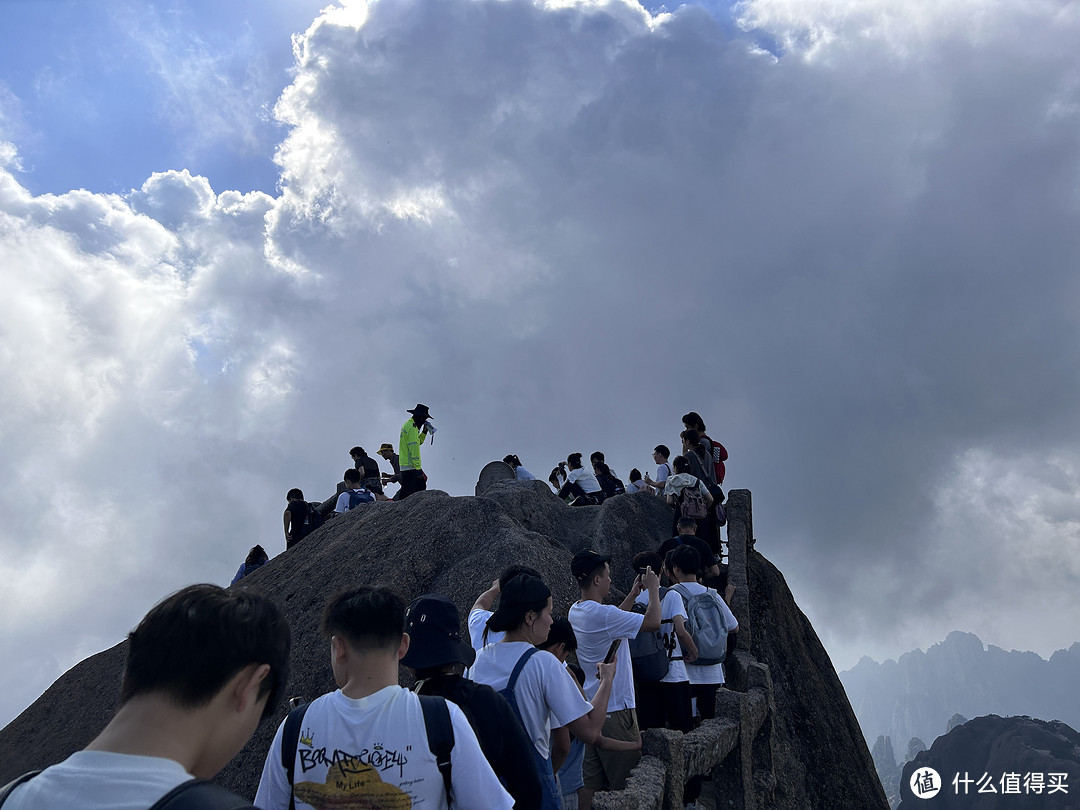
(433, 625)
(419, 410)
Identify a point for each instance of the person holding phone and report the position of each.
(597, 626)
(540, 690)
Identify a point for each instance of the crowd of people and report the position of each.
(531, 711)
(692, 482)
(501, 720)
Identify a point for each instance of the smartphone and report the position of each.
(611, 651)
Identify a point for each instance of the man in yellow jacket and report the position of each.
(413, 433)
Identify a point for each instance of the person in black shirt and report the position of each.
(370, 476)
(437, 657)
(687, 537)
(297, 521)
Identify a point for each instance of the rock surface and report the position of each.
(996, 746)
(813, 720)
(456, 546)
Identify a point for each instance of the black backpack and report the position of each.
(195, 794)
(440, 735)
(313, 520)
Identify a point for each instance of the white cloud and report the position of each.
(562, 225)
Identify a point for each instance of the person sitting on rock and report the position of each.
(520, 473)
(580, 484)
(598, 456)
(636, 484)
(203, 667)
(369, 470)
(350, 735)
(256, 559)
(537, 685)
(609, 484)
(354, 494)
(437, 658)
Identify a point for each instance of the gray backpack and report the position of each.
(706, 624)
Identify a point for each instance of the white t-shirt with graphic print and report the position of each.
(375, 749)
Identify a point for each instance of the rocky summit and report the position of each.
(788, 740)
(997, 762)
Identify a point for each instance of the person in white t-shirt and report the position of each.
(520, 473)
(683, 565)
(666, 702)
(483, 607)
(535, 682)
(367, 742)
(580, 483)
(685, 568)
(635, 482)
(660, 455)
(203, 667)
(352, 485)
(597, 627)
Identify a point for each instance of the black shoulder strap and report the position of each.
(290, 739)
(440, 734)
(6, 790)
(199, 794)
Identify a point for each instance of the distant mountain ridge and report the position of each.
(917, 695)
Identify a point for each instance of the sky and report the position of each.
(238, 239)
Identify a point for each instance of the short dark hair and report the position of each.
(352, 476)
(635, 475)
(574, 459)
(687, 523)
(368, 617)
(601, 468)
(357, 451)
(514, 570)
(686, 559)
(691, 436)
(585, 580)
(512, 460)
(561, 632)
(294, 493)
(662, 449)
(647, 559)
(693, 420)
(681, 464)
(596, 456)
(191, 643)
